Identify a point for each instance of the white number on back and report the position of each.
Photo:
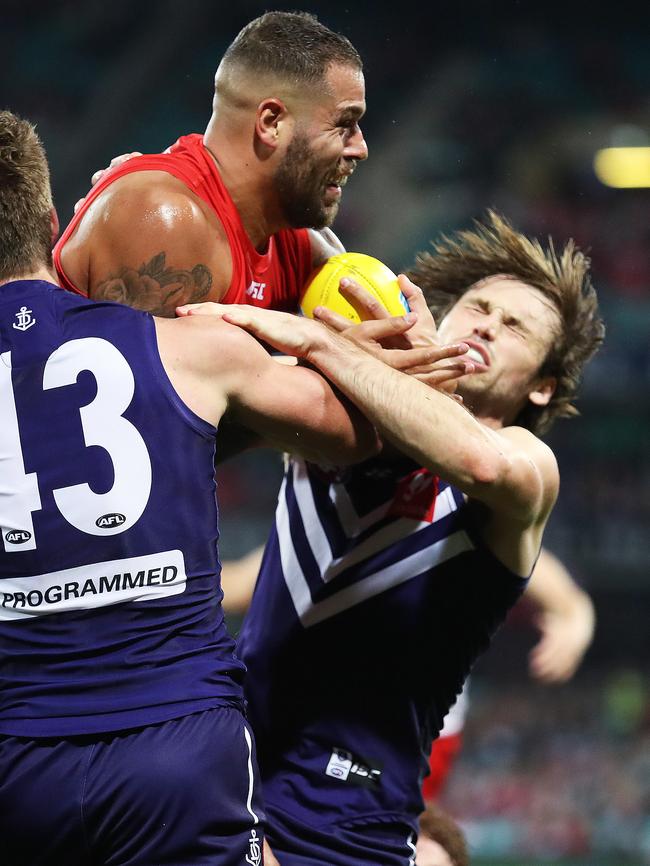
(19, 497)
(103, 424)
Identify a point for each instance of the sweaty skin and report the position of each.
(150, 242)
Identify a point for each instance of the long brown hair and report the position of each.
(492, 247)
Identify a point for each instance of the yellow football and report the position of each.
(323, 287)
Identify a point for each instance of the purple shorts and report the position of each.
(355, 842)
(182, 792)
(327, 806)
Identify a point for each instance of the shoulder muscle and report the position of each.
(153, 244)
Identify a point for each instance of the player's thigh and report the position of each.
(41, 789)
(183, 792)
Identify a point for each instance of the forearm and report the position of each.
(427, 425)
(554, 591)
(297, 410)
(566, 621)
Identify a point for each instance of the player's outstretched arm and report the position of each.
(149, 243)
(511, 470)
(566, 619)
(215, 367)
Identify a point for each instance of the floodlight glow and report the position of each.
(623, 167)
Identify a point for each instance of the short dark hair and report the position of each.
(25, 199)
(290, 44)
(493, 247)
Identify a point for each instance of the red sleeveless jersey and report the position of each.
(271, 279)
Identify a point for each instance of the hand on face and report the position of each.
(406, 343)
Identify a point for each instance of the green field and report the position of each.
(585, 861)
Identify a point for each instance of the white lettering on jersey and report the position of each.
(138, 578)
(256, 290)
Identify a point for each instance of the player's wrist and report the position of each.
(331, 352)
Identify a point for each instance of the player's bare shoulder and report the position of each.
(205, 344)
(204, 358)
(149, 242)
(538, 475)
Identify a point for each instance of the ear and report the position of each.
(54, 225)
(543, 392)
(271, 120)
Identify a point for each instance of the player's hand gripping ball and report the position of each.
(323, 287)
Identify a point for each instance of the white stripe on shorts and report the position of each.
(249, 799)
(409, 842)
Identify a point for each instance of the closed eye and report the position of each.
(517, 328)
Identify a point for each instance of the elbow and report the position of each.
(353, 437)
(361, 439)
(362, 446)
(339, 451)
(340, 436)
(356, 441)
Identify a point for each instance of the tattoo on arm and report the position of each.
(156, 288)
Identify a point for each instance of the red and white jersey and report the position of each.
(274, 278)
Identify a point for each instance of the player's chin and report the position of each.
(329, 211)
(470, 386)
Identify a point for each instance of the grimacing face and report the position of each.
(323, 153)
(509, 327)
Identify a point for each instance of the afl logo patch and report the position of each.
(17, 536)
(108, 521)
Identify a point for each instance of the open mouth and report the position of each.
(333, 193)
(338, 181)
(478, 354)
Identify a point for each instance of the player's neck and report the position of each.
(250, 189)
(44, 273)
(492, 423)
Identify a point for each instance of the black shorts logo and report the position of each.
(346, 767)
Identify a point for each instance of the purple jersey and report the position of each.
(375, 597)
(110, 602)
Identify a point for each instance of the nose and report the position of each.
(488, 328)
(356, 147)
